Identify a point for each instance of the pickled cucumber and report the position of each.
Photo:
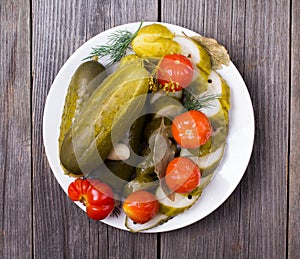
(199, 85)
(179, 205)
(120, 172)
(154, 222)
(161, 93)
(146, 166)
(83, 83)
(141, 182)
(217, 139)
(207, 163)
(168, 107)
(181, 202)
(154, 40)
(131, 59)
(110, 108)
(198, 55)
(153, 125)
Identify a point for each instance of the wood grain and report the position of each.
(15, 131)
(259, 220)
(266, 71)
(294, 175)
(244, 226)
(60, 227)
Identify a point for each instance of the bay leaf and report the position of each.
(217, 52)
(163, 153)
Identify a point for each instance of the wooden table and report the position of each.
(261, 219)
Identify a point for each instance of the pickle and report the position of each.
(145, 167)
(120, 172)
(153, 125)
(154, 40)
(83, 83)
(192, 49)
(181, 202)
(168, 107)
(217, 139)
(109, 110)
(225, 100)
(142, 182)
(134, 137)
(220, 119)
(131, 59)
(157, 220)
(199, 85)
(204, 63)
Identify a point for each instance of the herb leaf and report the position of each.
(218, 54)
(163, 153)
(116, 47)
(197, 103)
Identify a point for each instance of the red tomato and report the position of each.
(175, 72)
(141, 206)
(182, 175)
(98, 197)
(191, 129)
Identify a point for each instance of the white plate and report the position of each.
(234, 163)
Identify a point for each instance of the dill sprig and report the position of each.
(116, 212)
(116, 46)
(197, 103)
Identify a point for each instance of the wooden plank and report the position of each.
(15, 131)
(264, 191)
(294, 176)
(131, 245)
(61, 229)
(189, 15)
(252, 222)
(117, 12)
(59, 27)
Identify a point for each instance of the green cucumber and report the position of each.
(217, 139)
(145, 167)
(179, 205)
(219, 86)
(169, 209)
(113, 104)
(154, 40)
(205, 180)
(153, 125)
(154, 222)
(219, 119)
(83, 83)
(206, 160)
(142, 182)
(200, 84)
(131, 59)
(168, 107)
(225, 100)
(198, 55)
(160, 93)
(119, 172)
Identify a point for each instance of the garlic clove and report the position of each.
(119, 152)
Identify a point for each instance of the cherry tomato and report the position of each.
(175, 72)
(191, 129)
(141, 206)
(98, 197)
(182, 175)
